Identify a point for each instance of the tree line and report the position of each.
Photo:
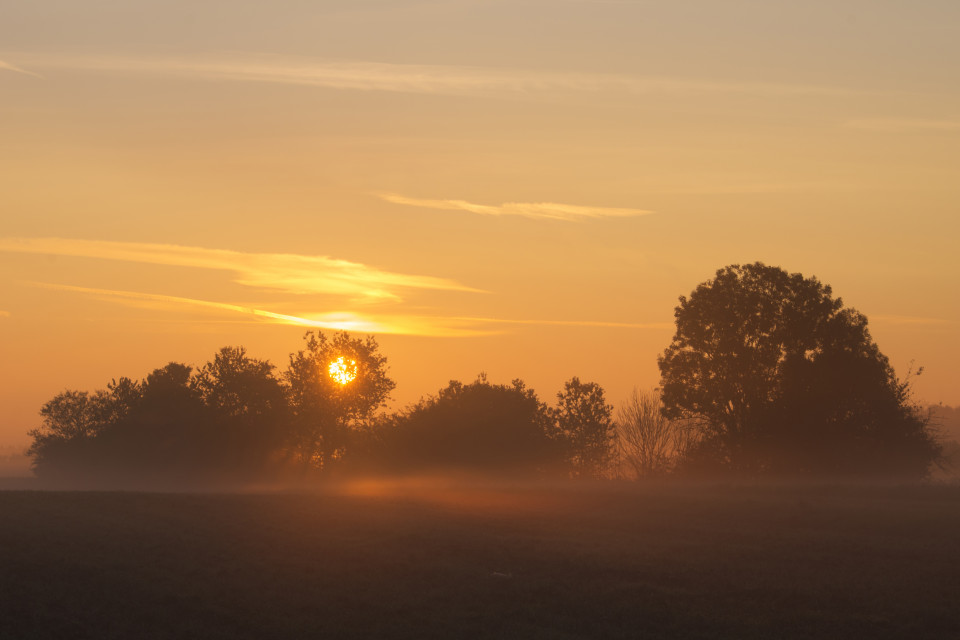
(767, 374)
(237, 418)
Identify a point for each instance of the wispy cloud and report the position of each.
(537, 210)
(333, 320)
(407, 78)
(906, 320)
(6, 66)
(290, 273)
(903, 125)
(5, 314)
(573, 323)
(396, 324)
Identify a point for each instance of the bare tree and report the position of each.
(649, 442)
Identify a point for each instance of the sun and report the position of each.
(343, 371)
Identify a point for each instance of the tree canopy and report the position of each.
(585, 421)
(326, 411)
(232, 418)
(477, 427)
(787, 379)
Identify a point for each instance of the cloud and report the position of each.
(901, 125)
(575, 323)
(397, 324)
(906, 320)
(290, 273)
(537, 210)
(6, 66)
(406, 78)
(337, 321)
(5, 314)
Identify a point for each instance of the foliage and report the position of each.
(585, 421)
(325, 413)
(226, 420)
(238, 386)
(249, 404)
(476, 426)
(788, 380)
(71, 419)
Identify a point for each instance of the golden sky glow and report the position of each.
(295, 274)
(522, 188)
(402, 78)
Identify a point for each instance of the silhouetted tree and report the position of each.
(167, 433)
(475, 427)
(237, 386)
(325, 412)
(650, 442)
(787, 379)
(72, 419)
(585, 420)
(249, 406)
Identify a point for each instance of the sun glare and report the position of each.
(343, 371)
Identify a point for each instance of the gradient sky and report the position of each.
(522, 188)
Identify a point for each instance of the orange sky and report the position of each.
(522, 188)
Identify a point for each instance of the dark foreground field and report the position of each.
(416, 560)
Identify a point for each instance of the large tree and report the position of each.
(785, 378)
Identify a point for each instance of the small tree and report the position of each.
(650, 442)
(585, 420)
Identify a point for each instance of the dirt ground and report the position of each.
(434, 558)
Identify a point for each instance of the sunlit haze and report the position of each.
(518, 188)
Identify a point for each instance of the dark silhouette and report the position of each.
(585, 422)
(232, 420)
(63, 444)
(787, 380)
(475, 427)
(249, 407)
(325, 413)
(224, 422)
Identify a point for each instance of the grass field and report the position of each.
(425, 560)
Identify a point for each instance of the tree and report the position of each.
(787, 379)
(249, 406)
(649, 441)
(474, 427)
(167, 433)
(236, 385)
(585, 420)
(325, 410)
(73, 419)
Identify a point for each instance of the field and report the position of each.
(428, 559)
